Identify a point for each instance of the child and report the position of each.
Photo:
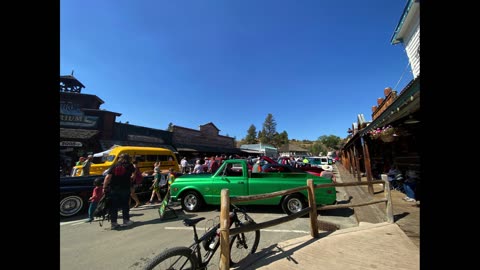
(155, 186)
(95, 198)
(171, 176)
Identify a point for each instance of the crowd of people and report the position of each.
(119, 185)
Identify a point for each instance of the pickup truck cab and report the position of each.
(197, 190)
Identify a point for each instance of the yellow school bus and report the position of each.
(145, 156)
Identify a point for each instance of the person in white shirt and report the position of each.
(184, 165)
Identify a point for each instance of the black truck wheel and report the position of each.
(71, 205)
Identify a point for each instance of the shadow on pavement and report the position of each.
(274, 253)
(400, 216)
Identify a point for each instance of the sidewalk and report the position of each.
(369, 246)
(360, 248)
(406, 214)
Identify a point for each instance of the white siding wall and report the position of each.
(412, 47)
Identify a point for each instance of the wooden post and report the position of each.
(313, 209)
(352, 161)
(224, 230)
(368, 168)
(357, 164)
(388, 204)
(347, 160)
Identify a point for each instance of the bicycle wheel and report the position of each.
(243, 244)
(173, 259)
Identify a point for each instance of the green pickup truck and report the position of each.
(197, 190)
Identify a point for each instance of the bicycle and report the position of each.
(241, 245)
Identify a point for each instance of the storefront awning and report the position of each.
(251, 151)
(77, 133)
(206, 149)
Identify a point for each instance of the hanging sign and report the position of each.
(71, 143)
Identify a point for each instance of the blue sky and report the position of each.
(313, 64)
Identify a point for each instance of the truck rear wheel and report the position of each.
(191, 201)
(293, 203)
(71, 205)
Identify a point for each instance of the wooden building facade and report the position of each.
(394, 134)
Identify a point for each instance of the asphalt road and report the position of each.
(89, 246)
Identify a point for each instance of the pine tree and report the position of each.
(251, 137)
(268, 130)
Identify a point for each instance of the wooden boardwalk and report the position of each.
(369, 246)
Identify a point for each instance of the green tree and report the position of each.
(170, 127)
(269, 130)
(251, 137)
(317, 148)
(280, 139)
(332, 142)
(260, 137)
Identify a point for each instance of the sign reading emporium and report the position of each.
(71, 115)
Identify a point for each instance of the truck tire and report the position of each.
(71, 205)
(191, 201)
(293, 203)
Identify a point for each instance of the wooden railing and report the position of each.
(226, 232)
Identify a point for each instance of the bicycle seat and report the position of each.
(192, 221)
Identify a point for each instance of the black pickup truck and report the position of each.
(75, 191)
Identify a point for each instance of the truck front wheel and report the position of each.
(71, 205)
(293, 203)
(191, 201)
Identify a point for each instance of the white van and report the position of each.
(321, 162)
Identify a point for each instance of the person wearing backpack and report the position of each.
(95, 198)
(117, 185)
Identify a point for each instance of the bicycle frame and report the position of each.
(192, 257)
(208, 237)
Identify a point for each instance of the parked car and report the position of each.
(300, 165)
(280, 168)
(321, 162)
(75, 191)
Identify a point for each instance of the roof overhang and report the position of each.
(407, 102)
(205, 148)
(408, 12)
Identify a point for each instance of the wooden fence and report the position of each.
(226, 232)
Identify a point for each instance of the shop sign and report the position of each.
(78, 120)
(71, 143)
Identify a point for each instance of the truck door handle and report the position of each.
(241, 182)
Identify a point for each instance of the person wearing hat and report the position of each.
(86, 166)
